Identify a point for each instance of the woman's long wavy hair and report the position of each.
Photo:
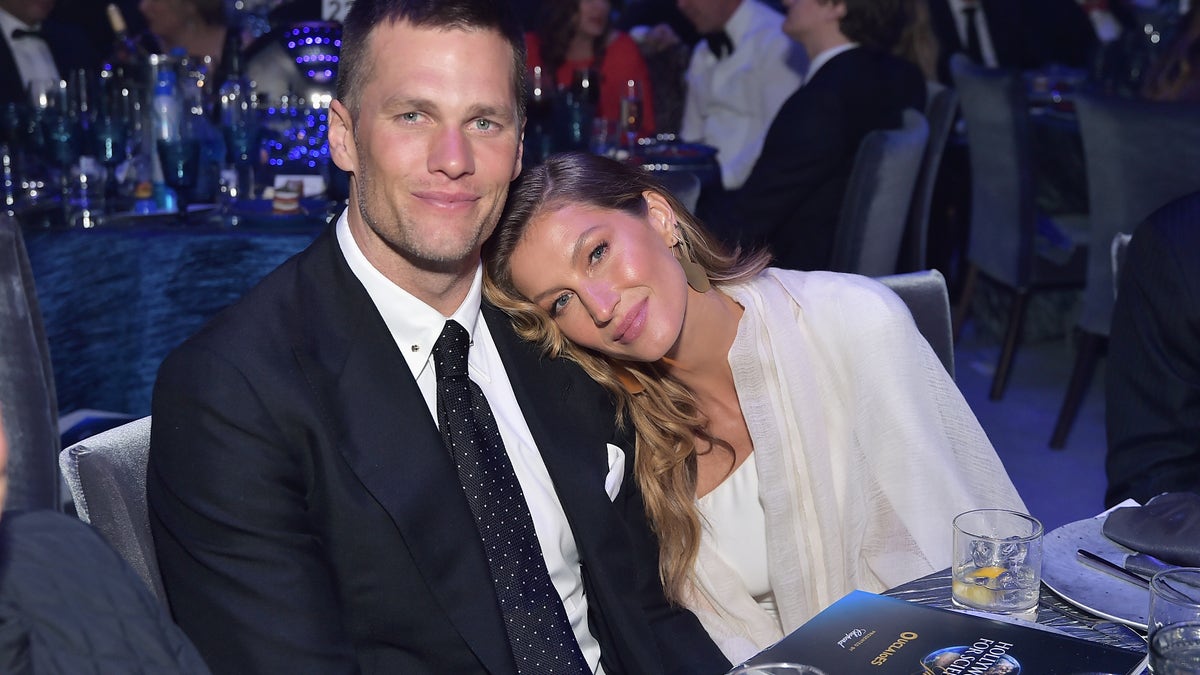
(556, 30)
(671, 428)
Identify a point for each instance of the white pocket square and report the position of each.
(616, 471)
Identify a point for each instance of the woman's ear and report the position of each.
(662, 216)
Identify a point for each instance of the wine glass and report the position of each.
(111, 142)
(180, 159)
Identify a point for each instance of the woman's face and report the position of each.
(607, 279)
(168, 19)
(592, 19)
(803, 17)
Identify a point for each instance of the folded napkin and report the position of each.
(1167, 527)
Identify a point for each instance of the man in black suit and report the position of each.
(33, 47)
(308, 515)
(793, 198)
(1019, 34)
(1153, 382)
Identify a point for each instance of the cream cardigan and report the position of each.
(864, 446)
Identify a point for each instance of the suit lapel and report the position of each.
(392, 444)
(11, 86)
(571, 419)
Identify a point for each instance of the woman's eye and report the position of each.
(559, 304)
(597, 253)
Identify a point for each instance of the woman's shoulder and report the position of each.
(820, 286)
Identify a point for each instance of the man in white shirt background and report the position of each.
(735, 89)
(34, 48)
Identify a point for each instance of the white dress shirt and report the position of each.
(731, 101)
(415, 327)
(32, 54)
(981, 25)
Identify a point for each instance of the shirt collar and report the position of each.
(9, 23)
(414, 325)
(739, 24)
(825, 57)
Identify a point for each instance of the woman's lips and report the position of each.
(631, 324)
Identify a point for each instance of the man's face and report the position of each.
(29, 11)
(708, 15)
(436, 142)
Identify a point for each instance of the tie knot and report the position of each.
(450, 351)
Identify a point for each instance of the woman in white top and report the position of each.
(797, 437)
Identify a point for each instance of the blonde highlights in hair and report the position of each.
(671, 428)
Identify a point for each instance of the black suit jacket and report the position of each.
(1153, 379)
(1025, 33)
(308, 518)
(793, 197)
(68, 44)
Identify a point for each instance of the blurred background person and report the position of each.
(793, 197)
(1152, 406)
(656, 23)
(577, 35)
(740, 74)
(70, 604)
(1021, 34)
(666, 39)
(1175, 76)
(35, 47)
(917, 42)
(197, 27)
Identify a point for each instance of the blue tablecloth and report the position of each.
(116, 301)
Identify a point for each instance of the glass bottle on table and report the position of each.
(237, 118)
(128, 57)
(539, 130)
(631, 120)
(576, 110)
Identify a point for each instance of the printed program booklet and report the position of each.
(864, 634)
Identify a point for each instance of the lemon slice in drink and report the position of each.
(978, 595)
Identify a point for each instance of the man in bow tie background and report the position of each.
(35, 48)
(740, 74)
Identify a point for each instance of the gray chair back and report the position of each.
(927, 298)
(27, 398)
(1120, 245)
(1140, 156)
(878, 196)
(1003, 216)
(941, 107)
(107, 477)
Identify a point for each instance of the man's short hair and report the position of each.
(354, 69)
(874, 23)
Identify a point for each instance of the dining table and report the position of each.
(117, 298)
(933, 590)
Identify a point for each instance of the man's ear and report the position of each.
(342, 149)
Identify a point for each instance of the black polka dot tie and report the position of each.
(538, 629)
